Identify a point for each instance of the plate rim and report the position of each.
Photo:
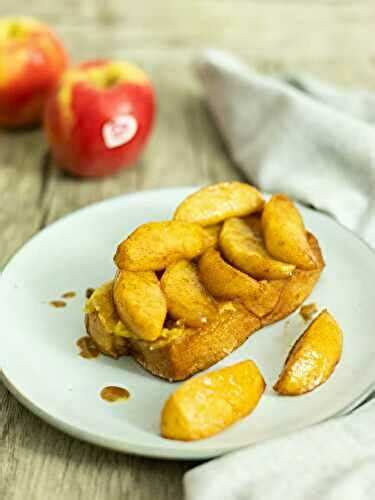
(153, 452)
(145, 450)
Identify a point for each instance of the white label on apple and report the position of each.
(119, 131)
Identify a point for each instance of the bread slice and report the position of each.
(107, 342)
(198, 349)
(188, 351)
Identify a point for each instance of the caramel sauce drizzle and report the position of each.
(112, 394)
(89, 292)
(57, 303)
(88, 348)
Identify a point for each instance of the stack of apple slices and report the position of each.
(190, 290)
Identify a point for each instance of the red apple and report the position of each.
(100, 117)
(31, 63)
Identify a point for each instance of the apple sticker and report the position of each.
(119, 131)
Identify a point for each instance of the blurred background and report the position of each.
(332, 39)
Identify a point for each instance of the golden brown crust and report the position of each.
(108, 343)
(200, 349)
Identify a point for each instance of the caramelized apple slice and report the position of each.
(225, 281)
(285, 234)
(207, 404)
(218, 202)
(313, 358)
(245, 251)
(156, 245)
(187, 298)
(140, 303)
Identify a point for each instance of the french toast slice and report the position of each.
(198, 349)
(183, 351)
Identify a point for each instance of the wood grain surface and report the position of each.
(332, 39)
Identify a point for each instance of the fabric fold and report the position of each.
(305, 139)
(316, 143)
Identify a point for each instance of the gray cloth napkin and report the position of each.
(334, 460)
(298, 136)
(316, 143)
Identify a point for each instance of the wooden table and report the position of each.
(331, 38)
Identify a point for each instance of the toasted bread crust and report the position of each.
(108, 343)
(298, 287)
(199, 349)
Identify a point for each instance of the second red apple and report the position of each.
(100, 117)
(32, 60)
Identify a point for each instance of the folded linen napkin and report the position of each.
(334, 460)
(316, 143)
(298, 136)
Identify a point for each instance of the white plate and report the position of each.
(41, 366)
